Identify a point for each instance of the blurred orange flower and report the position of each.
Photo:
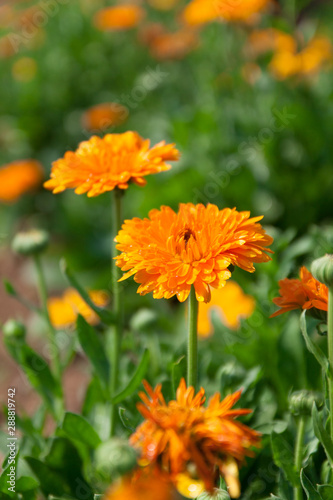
(119, 17)
(303, 293)
(184, 436)
(19, 177)
(102, 164)
(64, 310)
(175, 45)
(271, 39)
(143, 484)
(231, 304)
(7, 49)
(103, 116)
(170, 251)
(203, 11)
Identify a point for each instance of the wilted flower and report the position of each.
(203, 11)
(102, 164)
(64, 310)
(103, 116)
(230, 303)
(19, 177)
(184, 437)
(120, 17)
(170, 251)
(303, 293)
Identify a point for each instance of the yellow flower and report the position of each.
(170, 252)
(203, 11)
(64, 310)
(184, 437)
(230, 303)
(102, 164)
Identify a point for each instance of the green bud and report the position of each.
(30, 242)
(114, 458)
(301, 402)
(217, 495)
(13, 329)
(322, 270)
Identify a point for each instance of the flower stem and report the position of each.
(116, 331)
(192, 341)
(55, 360)
(298, 490)
(330, 353)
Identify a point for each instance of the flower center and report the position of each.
(186, 245)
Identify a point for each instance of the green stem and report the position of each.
(330, 353)
(116, 331)
(298, 490)
(192, 341)
(55, 360)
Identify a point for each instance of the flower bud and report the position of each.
(217, 495)
(30, 242)
(301, 402)
(114, 458)
(322, 270)
(13, 330)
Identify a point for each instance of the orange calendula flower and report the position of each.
(231, 304)
(63, 311)
(119, 17)
(103, 116)
(19, 177)
(175, 45)
(203, 11)
(102, 164)
(143, 484)
(271, 39)
(184, 437)
(170, 252)
(303, 293)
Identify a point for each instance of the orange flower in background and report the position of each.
(170, 251)
(102, 164)
(119, 17)
(175, 45)
(303, 293)
(231, 305)
(19, 177)
(103, 116)
(203, 11)
(271, 39)
(184, 436)
(7, 49)
(64, 310)
(143, 484)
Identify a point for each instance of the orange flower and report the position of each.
(203, 11)
(18, 177)
(304, 293)
(101, 164)
(184, 437)
(169, 252)
(143, 484)
(119, 17)
(173, 45)
(63, 311)
(271, 39)
(231, 304)
(103, 116)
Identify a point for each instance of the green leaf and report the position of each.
(310, 490)
(94, 349)
(312, 347)
(325, 491)
(26, 483)
(50, 480)
(125, 420)
(135, 381)
(178, 371)
(283, 455)
(322, 434)
(79, 428)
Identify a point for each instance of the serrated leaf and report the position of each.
(310, 490)
(77, 427)
(284, 457)
(94, 350)
(322, 434)
(135, 381)
(312, 347)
